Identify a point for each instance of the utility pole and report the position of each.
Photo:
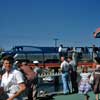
(56, 40)
(56, 78)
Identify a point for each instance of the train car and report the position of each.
(49, 56)
(45, 55)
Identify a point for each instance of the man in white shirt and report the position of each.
(12, 82)
(65, 75)
(60, 50)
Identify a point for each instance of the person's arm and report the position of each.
(1, 90)
(89, 75)
(61, 67)
(80, 79)
(20, 81)
(22, 88)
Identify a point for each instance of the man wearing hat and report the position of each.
(37, 69)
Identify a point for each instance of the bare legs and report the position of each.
(97, 96)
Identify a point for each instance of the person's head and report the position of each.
(36, 62)
(84, 69)
(93, 45)
(24, 63)
(62, 58)
(69, 59)
(97, 67)
(8, 62)
(61, 45)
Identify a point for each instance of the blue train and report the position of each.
(33, 53)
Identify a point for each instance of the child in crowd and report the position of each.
(84, 85)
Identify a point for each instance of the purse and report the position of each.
(91, 81)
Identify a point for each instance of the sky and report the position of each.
(40, 22)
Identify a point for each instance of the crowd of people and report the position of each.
(80, 52)
(69, 73)
(84, 86)
(18, 79)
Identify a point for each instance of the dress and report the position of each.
(96, 85)
(84, 85)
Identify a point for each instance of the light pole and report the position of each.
(56, 40)
(56, 82)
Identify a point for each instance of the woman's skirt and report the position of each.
(84, 87)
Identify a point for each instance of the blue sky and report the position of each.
(39, 22)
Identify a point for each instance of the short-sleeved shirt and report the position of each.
(64, 66)
(11, 82)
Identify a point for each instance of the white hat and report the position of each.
(36, 62)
